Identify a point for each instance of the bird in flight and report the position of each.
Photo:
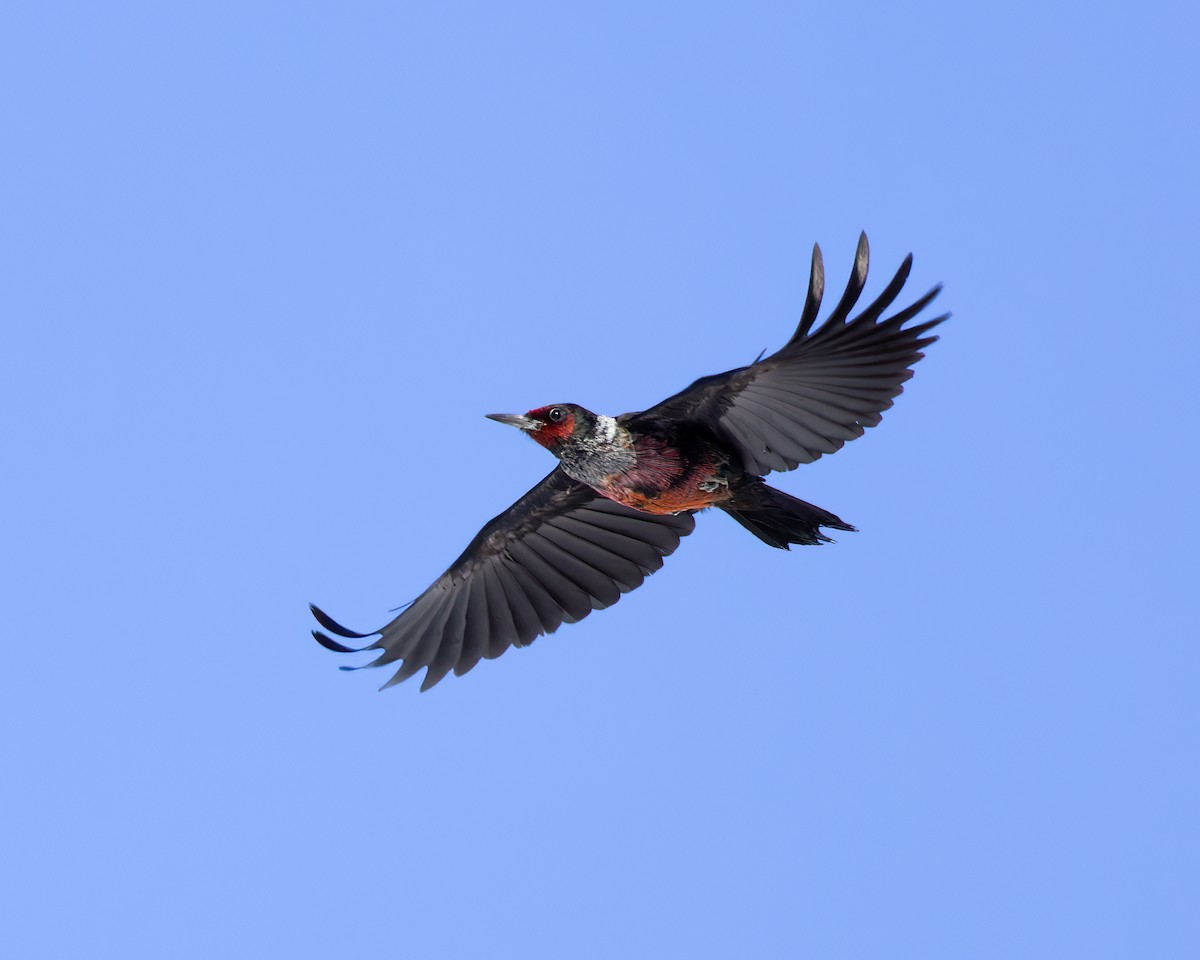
(626, 488)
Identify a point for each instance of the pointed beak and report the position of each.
(518, 420)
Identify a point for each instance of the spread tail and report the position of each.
(777, 518)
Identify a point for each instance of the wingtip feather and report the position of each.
(812, 301)
(333, 626)
(330, 644)
(854, 286)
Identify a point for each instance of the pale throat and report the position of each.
(606, 451)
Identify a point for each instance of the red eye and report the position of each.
(556, 414)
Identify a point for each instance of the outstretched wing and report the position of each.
(553, 557)
(823, 388)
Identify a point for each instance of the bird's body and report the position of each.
(654, 467)
(627, 487)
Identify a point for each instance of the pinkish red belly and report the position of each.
(664, 481)
(674, 500)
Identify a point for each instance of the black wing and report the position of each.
(823, 388)
(553, 557)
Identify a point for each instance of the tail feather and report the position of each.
(779, 519)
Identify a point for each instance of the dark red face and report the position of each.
(557, 424)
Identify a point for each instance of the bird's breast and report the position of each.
(662, 479)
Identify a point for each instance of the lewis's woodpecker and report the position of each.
(626, 488)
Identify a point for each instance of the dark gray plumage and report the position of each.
(557, 554)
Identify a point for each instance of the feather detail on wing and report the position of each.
(826, 386)
(555, 555)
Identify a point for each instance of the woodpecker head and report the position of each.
(553, 426)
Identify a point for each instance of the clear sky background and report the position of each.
(266, 265)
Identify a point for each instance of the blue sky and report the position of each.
(267, 265)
